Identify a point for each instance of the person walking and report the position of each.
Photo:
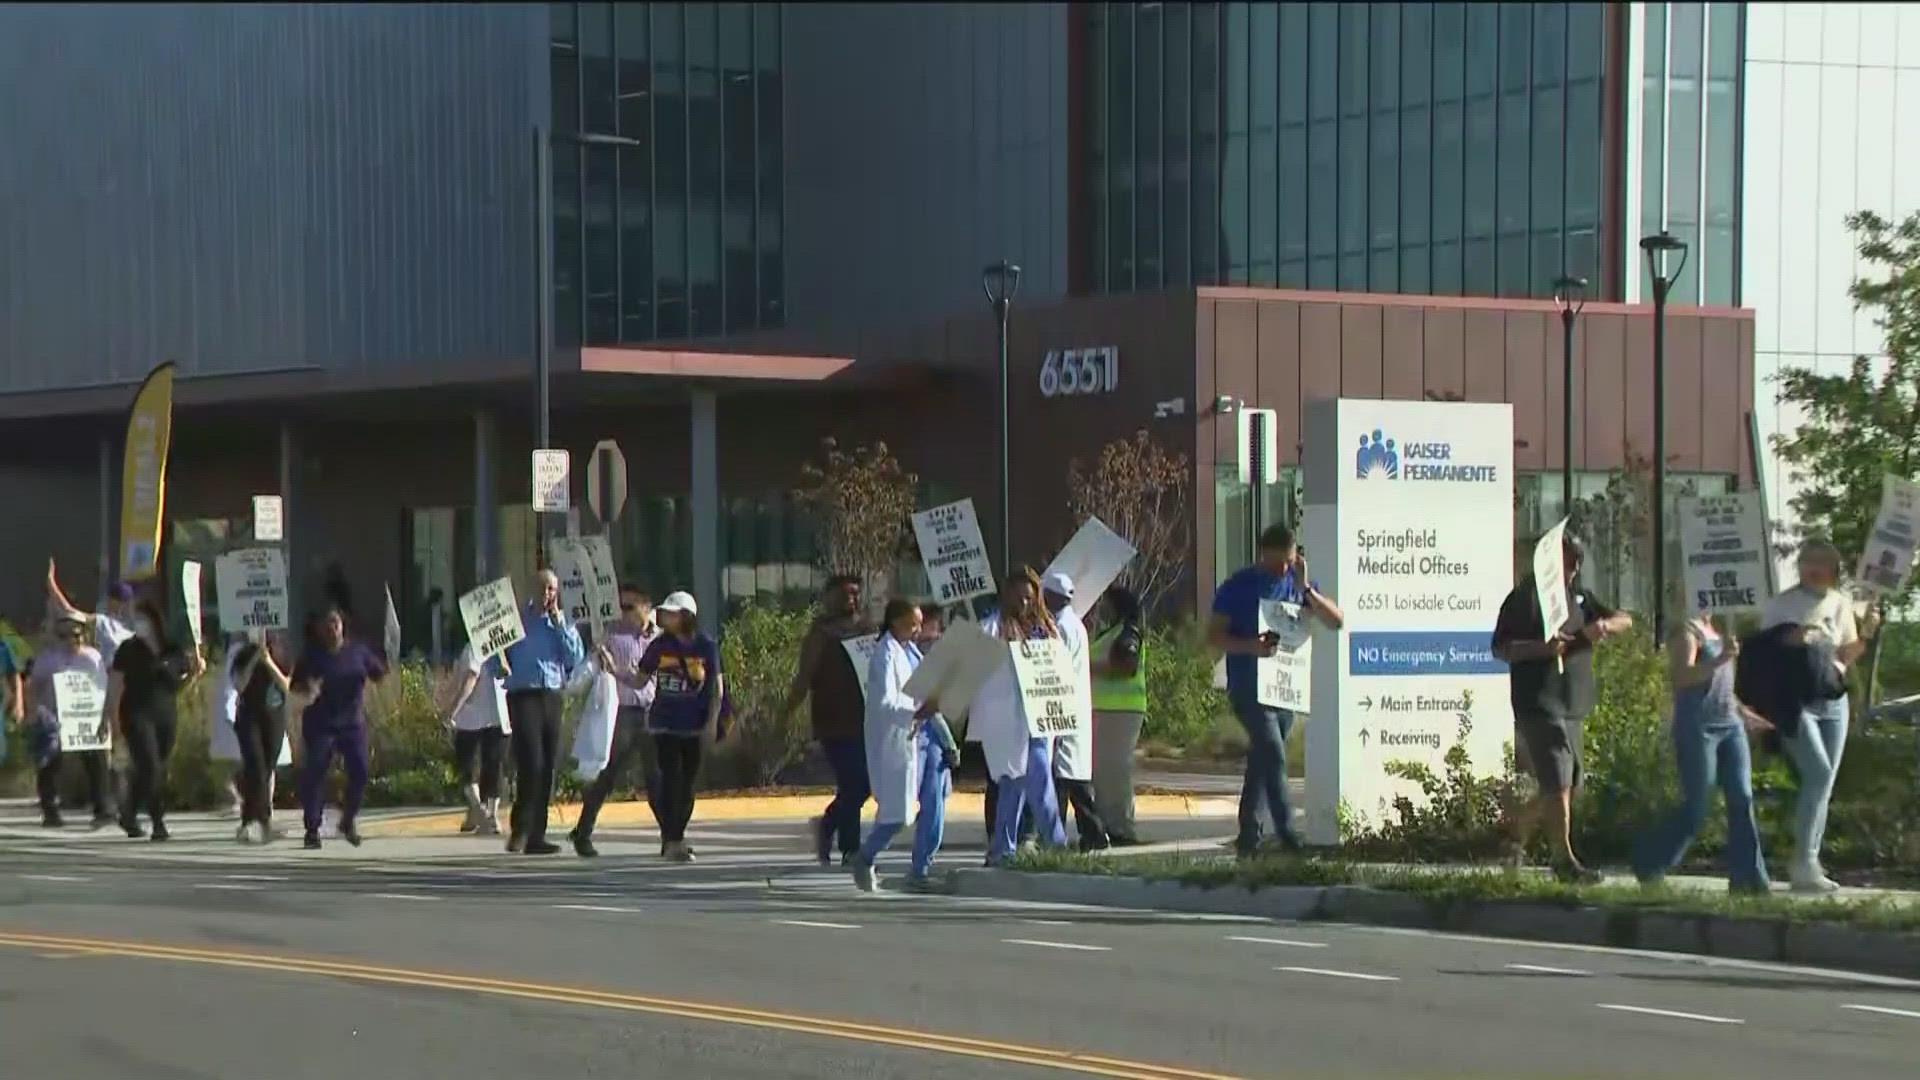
(262, 689)
(330, 681)
(906, 757)
(537, 669)
(1710, 728)
(477, 716)
(1073, 754)
(682, 664)
(1119, 711)
(1021, 764)
(1824, 615)
(1279, 573)
(826, 675)
(1550, 680)
(627, 643)
(68, 652)
(112, 624)
(146, 676)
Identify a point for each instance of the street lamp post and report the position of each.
(1571, 294)
(1666, 257)
(1001, 282)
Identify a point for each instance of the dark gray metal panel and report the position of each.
(258, 187)
(924, 141)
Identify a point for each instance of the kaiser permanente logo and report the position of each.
(1380, 458)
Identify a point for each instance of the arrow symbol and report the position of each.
(1367, 703)
(1363, 738)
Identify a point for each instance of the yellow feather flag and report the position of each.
(143, 479)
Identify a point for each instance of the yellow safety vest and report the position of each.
(1126, 694)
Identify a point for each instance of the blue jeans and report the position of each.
(930, 823)
(851, 789)
(1265, 783)
(1706, 750)
(1033, 791)
(1815, 751)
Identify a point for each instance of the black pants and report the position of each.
(536, 749)
(260, 735)
(629, 738)
(1086, 817)
(670, 792)
(149, 746)
(99, 781)
(479, 755)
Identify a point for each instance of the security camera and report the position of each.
(1165, 409)
(1225, 405)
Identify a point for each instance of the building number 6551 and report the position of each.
(1080, 371)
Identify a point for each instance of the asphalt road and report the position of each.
(425, 959)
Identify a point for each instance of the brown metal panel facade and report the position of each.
(1485, 356)
(1362, 373)
(1686, 402)
(1279, 372)
(1601, 376)
(1446, 366)
(1536, 419)
(1403, 354)
(1319, 352)
(1636, 371)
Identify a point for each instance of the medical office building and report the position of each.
(768, 227)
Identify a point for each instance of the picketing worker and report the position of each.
(683, 666)
(261, 692)
(1119, 711)
(906, 756)
(1278, 573)
(538, 668)
(826, 675)
(111, 624)
(330, 681)
(1710, 727)
(627, 642)
(1550, 678)
(146, 676)
(1021, 764)
(477, 716)
(68, 652)
(1073, 753)
(1823, 613)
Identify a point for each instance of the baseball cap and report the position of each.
(678, 601)
(74, 618)
(1058, 584)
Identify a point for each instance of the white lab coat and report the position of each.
(892, 767)
(998, 720)
(1073, 754)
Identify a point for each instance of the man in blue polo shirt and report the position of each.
(1279, 573)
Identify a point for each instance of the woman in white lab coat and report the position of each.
(1021, 765)
(905, 757)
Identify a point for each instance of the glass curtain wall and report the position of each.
(1690, 132)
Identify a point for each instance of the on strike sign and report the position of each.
(1049, 688)
(953, 552)
(1286, 677)
(80, 703)
(1724, 543)
(493, 618)
(253, 589)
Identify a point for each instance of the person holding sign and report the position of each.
(331, 681)
(1550, 680)
(1119, 711)
(538, 667)
(1020, 763)
(904, 757)
(477, 716)
(111, 625)
(148, 671)
(827, 676)
(1823, 614)
(627, 642)
(1073, 754)
(52, 726)
(261, 690)
(1279, 574)
(683, 667)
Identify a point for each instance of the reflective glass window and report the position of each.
(598, 103)
(1176, 114)
(1206, 143)
(1235, 232)
(1147, 210)
(1416, 173)
(1416, 53)
(1263, 145)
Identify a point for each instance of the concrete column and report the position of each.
(291, 518)
(705, 460)
(108, 542)
(486, 509)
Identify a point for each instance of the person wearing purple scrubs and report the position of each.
(331, 679)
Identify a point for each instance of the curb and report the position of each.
(1826, 945)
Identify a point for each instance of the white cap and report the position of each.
(678, 601)
(1058, 584)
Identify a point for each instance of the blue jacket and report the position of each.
(549, 654)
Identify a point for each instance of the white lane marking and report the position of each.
(1278, 941)
(1701, 1017)
(253, 877)
(1884, 1011)
(599, 907)
(55, 877)
(1337, 974)
(1055, 945)
(818, 925)
(224, 887)
(1543, 969)
(402, 896)
(1046, 922)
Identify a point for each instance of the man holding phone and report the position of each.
(1278, 573)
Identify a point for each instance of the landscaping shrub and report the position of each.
(759, 651)
(1183, 708)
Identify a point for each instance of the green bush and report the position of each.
(1183, 708)
(759, 650)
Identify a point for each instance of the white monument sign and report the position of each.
(953, 552)
(253, 589)
(1888, 557)
(1409, 525)
(1723, 544)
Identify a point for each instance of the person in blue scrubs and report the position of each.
(1279, 573)
(331, 677)
(538, 669)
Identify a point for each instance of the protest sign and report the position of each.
(190, 598)
(80, 701)
(1092, 559)
(492, 617)
(1050, 688)
(1723, 546)
(1888, 556)
(253, 590)
(860, 652)
(953, 552)
(603, 583)
(1286, 677)
(955, 668)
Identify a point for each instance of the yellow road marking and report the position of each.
(1064, 1060)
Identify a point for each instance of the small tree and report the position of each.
(861, 500)
(1866, 423)
(1140, 491)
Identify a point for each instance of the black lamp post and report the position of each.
(1571, 294)
(1666, 257)
(1001, 282)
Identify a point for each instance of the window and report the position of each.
(1384, 53)
(1235, 174)
(1122, 154)
(1416, 173)
(706, 311)
(1416, 53)
(1514, 151)
(1099, 153)
(1353, 186)
(1176, 113)
(1481, 46)
(1292, 192)
(1549, 160)
(636, 245)
(1516, 46)
(598, 102)
(1264, 147)
(602, 239)
(1323, 188)
(633, 76)
(1206, 144)
(1480, 172)
(670, 173)
(1323, 68)
(1353, 59)
(1550, 44)
(1449, 51)
(737, 172)
(1147, 209)
(1383, 218)
(568, 293)
(767, 106)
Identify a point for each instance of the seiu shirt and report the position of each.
(683, 673)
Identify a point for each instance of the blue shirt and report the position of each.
(1239, 598)
(547, 656)
(683, 676)
(342, 678)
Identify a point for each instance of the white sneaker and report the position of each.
(1815, 883)
(245, 834)
(864, 877)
